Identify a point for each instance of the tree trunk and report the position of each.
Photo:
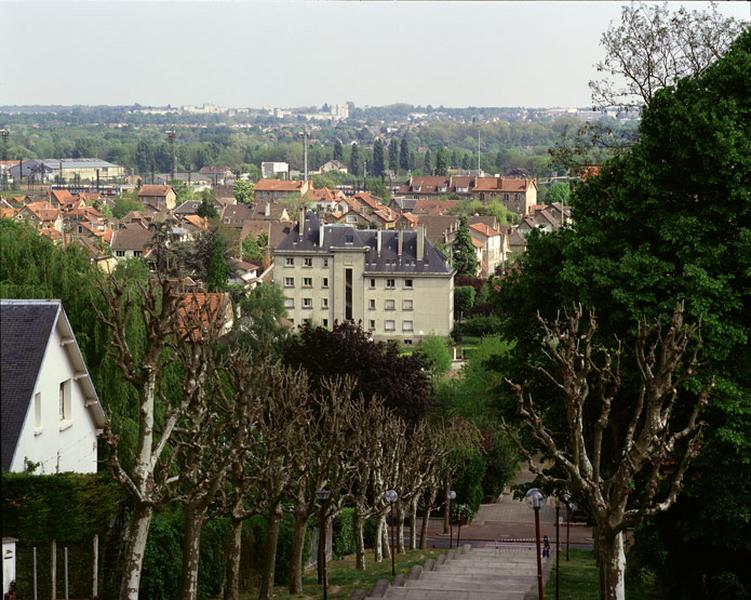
(400, 528)
(138, 533)
(269, 569)
(378, 542)
(296, 558)
(413, 526)
(359, 524)
(234, 549)
(193, 519)
(611, 562)
(385, 536)
(425, 522)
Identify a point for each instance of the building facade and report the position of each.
(396, 284)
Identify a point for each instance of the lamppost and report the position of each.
(535, 498)
(557, 548)
(567, 501)
(323, 495)
(451, 496)
(391, 497)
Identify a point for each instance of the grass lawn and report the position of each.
(579, 580)
(344, 578)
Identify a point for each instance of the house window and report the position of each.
(371, 304)
(372, 283)
(325, 322)
(408, 284)
(407, 326)
(371, 325)
(289, 282)
(389, 304)
(390, 284)
(137, 253)
(38, 410)
(389, 325)
(63, 401)
(307, 282)
(119, 252)
(307, 302)
(324, 302)
(406, 304)
(289, 262)
(325, 282)
(325, 262)
(307, 262)
(289, 303)
(407, 342)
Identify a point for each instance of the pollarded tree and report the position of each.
(628, 459)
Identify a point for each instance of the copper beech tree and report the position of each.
(626, 456)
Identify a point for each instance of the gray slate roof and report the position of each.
(342, 236)
(24, 332)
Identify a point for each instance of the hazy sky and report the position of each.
(305, 52)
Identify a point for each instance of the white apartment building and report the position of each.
(396, 284)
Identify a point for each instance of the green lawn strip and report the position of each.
(344, 578)
(579, 580)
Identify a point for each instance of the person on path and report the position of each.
(545, 547)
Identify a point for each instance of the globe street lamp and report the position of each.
(391, 497)
(323, 495)
(535, 499)
(451, 496)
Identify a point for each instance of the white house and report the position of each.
(51, 414)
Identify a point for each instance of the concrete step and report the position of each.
(414, 594)
(448, 579)
(465, 585)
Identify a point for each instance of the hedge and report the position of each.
(343, 534)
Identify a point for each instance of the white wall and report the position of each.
(9, 563)
(58, 446)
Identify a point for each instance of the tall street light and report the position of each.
(535, 499)
(451, 496)
(391, 497)
(323, 495)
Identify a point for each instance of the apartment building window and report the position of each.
(325, 282)
(389, 304)
(407, 326)
(325, 322)
(389, 325)
(325, 262)
(307, 262)
(348, 294)
(372, 283)
(63, 401)
(119, 252)
(306, 321)
(289, 303)
(289, 262)
(407, 342)
(406, 304)
(408, 284)
(390, 284)
(307, 302)
(371, 304)
(307, 282)
(289, 282)
(137, 253)
(38, 410)
(324, 302)
(371, 325)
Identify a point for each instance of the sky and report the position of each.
(281, 53)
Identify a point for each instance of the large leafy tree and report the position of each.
(441, 162)
(338, 150)
(404, 154)
(379, 163)
(463, 251)
(354, 160)
(394, 155)
(670, 220)
(402, 381)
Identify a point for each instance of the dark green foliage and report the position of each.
(207, 209)
(404, 154)
(435, 354)
(470, 473)
(463, 251)
(210, 259)
(338, 150)
(441, 162)
(379, 162)
(394, 155)
(162, 560)
(125, 203)
(259, 326)
(464, 300)
(478, 325)
(343, 536)
(501, 465)
(557, 192)
(401, 381)
(144, 157)
(255, 535)
(427, 163)
(354, 160)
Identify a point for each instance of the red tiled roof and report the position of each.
(369, 199)
(198, 311)
(278, 185)
(484, 229)
(196, 221)
(63, 197)
(51, 233)
(500, 184)
(433, 207)
(153, 190)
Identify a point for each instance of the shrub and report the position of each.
(436, 354)
(343, 542)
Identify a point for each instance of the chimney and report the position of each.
(421, 242)
(321, 227)
(267, 209)
(301, 224)
(378, 243)
(400, 243)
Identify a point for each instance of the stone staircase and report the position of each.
(470, 574)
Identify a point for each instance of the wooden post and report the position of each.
(53, 569)
(65, 555)
(557, 550)
(95, 585)
(34, 556)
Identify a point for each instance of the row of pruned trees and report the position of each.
(223, 431)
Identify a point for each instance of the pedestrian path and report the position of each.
(474, 574)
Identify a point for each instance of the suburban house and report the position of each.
(544, 219)
(235, 215)
(334, 166)
(270, 170)
(272, 190)
(198, 310)
(51, 414)
(395, 283)
(42, 215)
(158, 197)
(131, 240)
(64, 200)
(491, 247)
